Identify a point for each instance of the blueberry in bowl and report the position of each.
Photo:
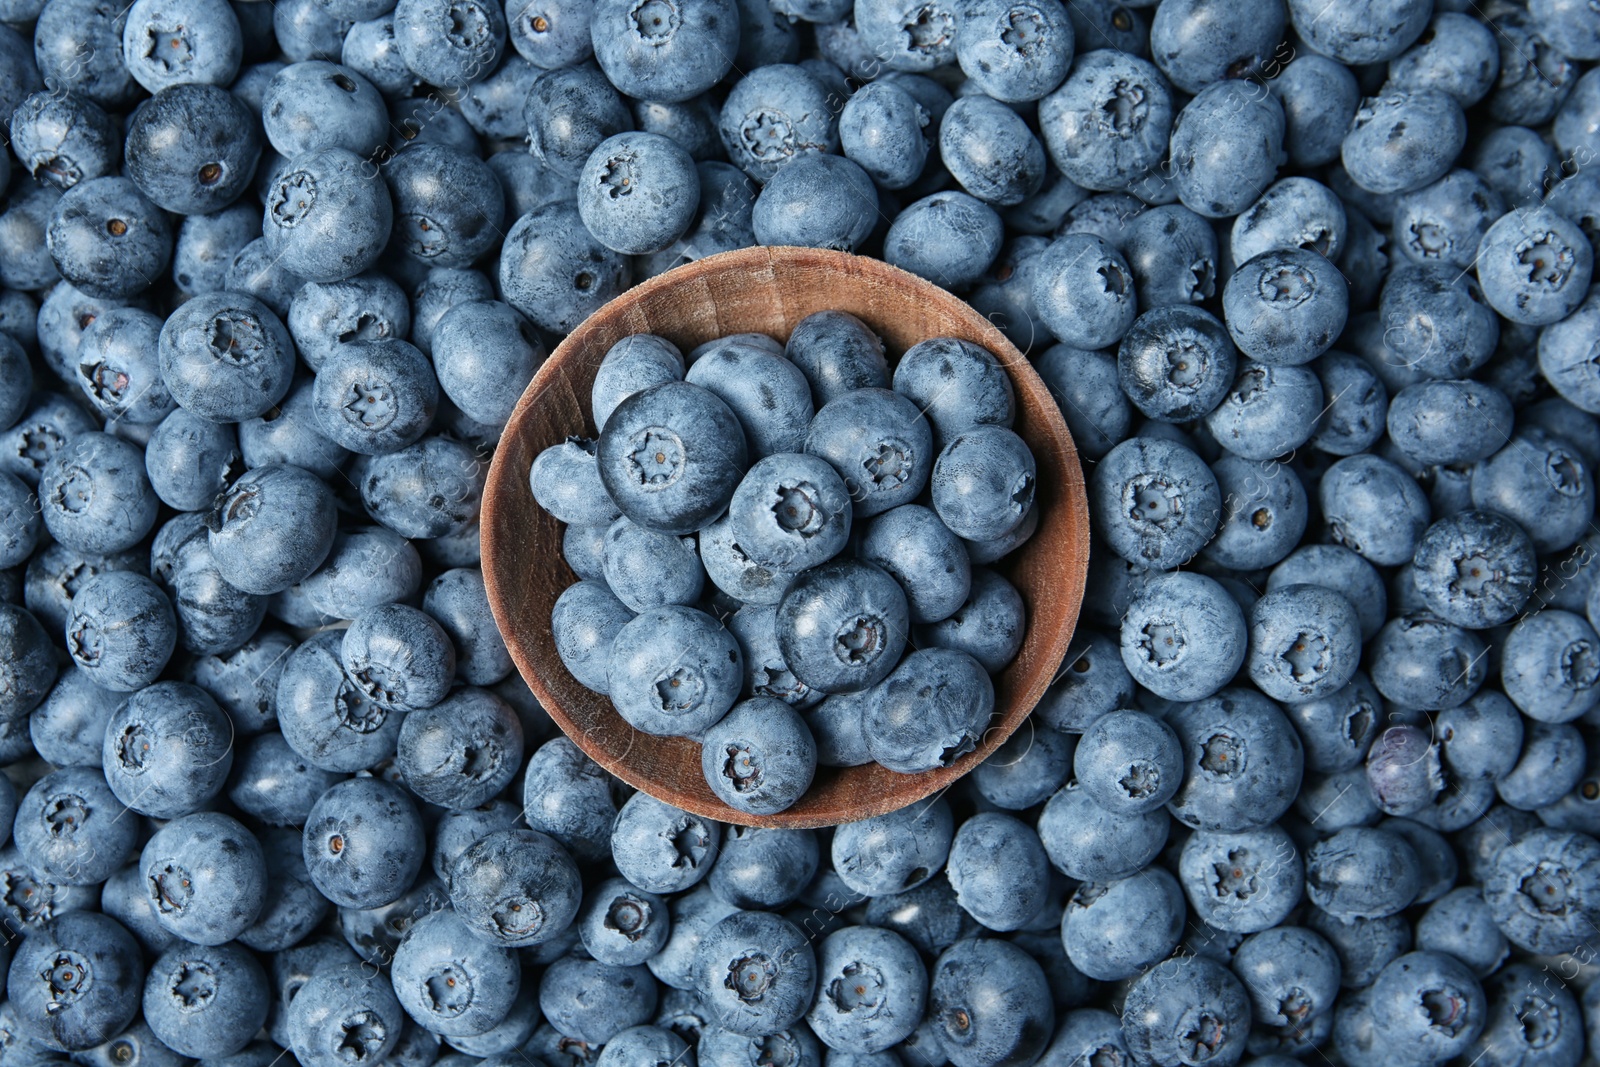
(825, 615)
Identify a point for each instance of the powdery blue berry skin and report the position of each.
(94, 495)
(880, 444)
(192, 149)
(882, 129)
(515, 888)
(992, 1003)
(672, 456)
(319, 104)
(450, 45)
(1242, 762)
(1362, 873)
(907, 37)
(1227, 144)
(841, 626)
(1444, 222)
(999, 871)
(837, 725)
(1184, 637)
(764, 868)
(167, 749)
(584, 622)
(670, 52)
(1109, 122)
(399, 657)
(1421, 662)
(1128, 762)
(1561, 359)
(1305, 643)
(622, 925)
(1291, 973)
(674, 671)
(1187, 1008)
(1406, 987)
(1115, 930)
(1436, 323)
(1374, 508)
(1475, 569)
(272, 528)
(209, 49)
(367, 566)
(1403, 140)
(448, 205)
(1244, 882)
(822, 201)
(1173, 255)
(205, 877)
(327, 216)
(106, 971)
(949, 238)
(462, 752)
(1015, 52)
(983, 482)
(363, 843)
(121, 630)
(1156, 501)
(1535, 266)
(1086, 1032)
(1460, 924)
(1518, 992)
(648, 570)
(592, 1002)
(439, 947)
(1549, 767)
(1195, 45)
(63, 138)
(569, 112)
(340, 1003)
(1084, 291)
(1086, 389)
(896, 983)
(837, 353)
(370, 49)
(431, 489)
(66, 825)
(638, 192)
(325, 717)
(1449, 422)
(205, 1001)
(630, 366)
(1554, 498)
(459, 603)
(375, 397)
(1269, 411)
(1515, 162)
(189, 460)
(928, 560)
(931, 711)
(990, 151)
(226, 357)
(956, 385)
(760, 757)
(1285, 307)
(767, 394)
(989, 625)
(1176, 363)
(896, 852)
(273, 784)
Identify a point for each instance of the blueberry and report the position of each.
(370, 50)
(1550, 765)
(170, 42)
(671, 457)
(766, 392)
(568, 796)
(760, 757)
(1109, 122)
(1015, 52)
(205, 1001)
(674, 671)
(1286, 306)
(882, 129)
(1242, 762)
(669, 52)
(450, 45)
(983, 482)
(452, 983)
(1129, 762)
(1088, 1032)
(1475, 569)
(1184, 637)
(461, 752)
(569, 112)
(1083, 289)
(1176, 363)
(94, 495)
(837, 353)
(117, 367)
(399, 657)
(272, 528)
(515, 888)
(1373, 508)
(871, 990)
(924, 556)
(999, 871)
(431, 489)
(1156, 502)
(841, 626)
(325, 717)
(1421, 662)
(205, 877)
(661, 848)
(1115, 930)
(1445, 222)
(375, 397)
(1534, 266)
(363, 843)
(591, 1002)
(85, 965)
(1438, 326)
(896, 852)
(1087, 391)
(1429, 1001)
(339, 1012)
(648, 570)
(989, 625)
(820, 202)
(992, 1003)
(68, 828)
(1305, 643)
(879, 443)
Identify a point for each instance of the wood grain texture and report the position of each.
(768, 290)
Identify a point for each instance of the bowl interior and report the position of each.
(768, 290)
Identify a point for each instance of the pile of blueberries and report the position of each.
(1318, 782)
(782, 458)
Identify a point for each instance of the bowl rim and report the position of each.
(615, 314)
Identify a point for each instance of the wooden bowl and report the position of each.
(768, 290)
